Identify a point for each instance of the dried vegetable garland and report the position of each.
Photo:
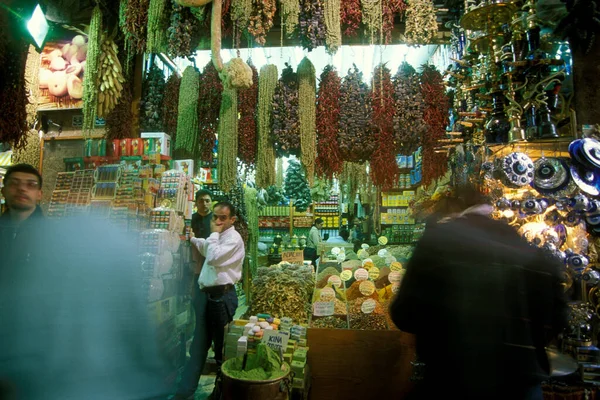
(228, 139)
(240, 13)
(209, 106)
(355, 136)
(421, 22)
(261, 19)
(136, 23)
(384, 168)
(265, 157)
(170, 105)
(350, 16)
(409, 127)
(333, 32)
(251, 200)
(290, 12)
(390, 8)
(92, 66)
(247, 139)
(183, 32)
(355, 179)
(329, 160)
(158, 23)
(307, 87)
(186, 145)
(372, 15)
(286, 124)
(153, 92)
(119, 123)
(312, 24)
(110, 78)
(32, 87)
(435, 116)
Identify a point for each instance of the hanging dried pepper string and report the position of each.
(248, 100)
(136, 22)
(435, 116)
(209, 105)
(351, 16)
(286, 124)
(391, 8)
(384, 169)
(329, 160)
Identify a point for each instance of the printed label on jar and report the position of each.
(361, 274)
(396, 266)
(395, 277)
(374, 273)
(327, 294)
(346, 275)
(335, 281)
(366, 288)
(368, 306)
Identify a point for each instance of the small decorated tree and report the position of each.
(296, 186)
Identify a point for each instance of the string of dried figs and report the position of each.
(209, 106)
(409, 127)
(312, 24)
(261, 19)
(248, 100)
(350, 16)
(286, 124)
(170, 105)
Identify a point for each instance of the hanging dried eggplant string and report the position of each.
(290, 14)
(409, 127)
(265, 158)
(355, 135)
(209, 106)
(183, 32)
(248, 100)
(153, 91)
(186, 145)
(390, 8)
(136, 23)
(228, 140)
(307, 96)
(119, 123)
(329, 160)
(333, 34)
(436, 117)
(92, 67)
(421, 22)
(261, 19)
(286, 124)
(170, 105)
(384, 168)
(350, 17)
(312, 24)
(158, 23)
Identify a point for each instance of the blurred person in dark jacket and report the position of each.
(74, 319)
(483, 305)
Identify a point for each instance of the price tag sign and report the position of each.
(366, 288)
(335, 281)
(277, 340)
(367, 260)
(395, 287)
(327, 294)
(346, 275)
(293, 257)
(323, 308)
(374, 273)
(395, 277)
(361, 274)
(396, 266)
(368, 306)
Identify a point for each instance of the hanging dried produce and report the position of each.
(153, 91)
(290, 12)
(119, 122)
(354, 179)
(92, 67)
(296, 187)
(390, 9)
(350, 16)
(261, 19)
(384, 168)
(286, 124)
(435, 116)
(13, 101)
(186, 145)
(312, 24)
(251, 200)
(307, 87)
(355, 136)
(333, 33)
(228, 140)
(170, 105)
(421, 22)
(329, 160)
(29, 152)
(209, 106)
(372, 17)
(110, 78)
(183, 32)
(265, 156)
(158, 23)
(240, 13)
(247, 139)
(32, 86)
(136, 23)
(409, 127)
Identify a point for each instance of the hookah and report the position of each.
(547, 129)
(514, 112)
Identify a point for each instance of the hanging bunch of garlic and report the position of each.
(110, 78)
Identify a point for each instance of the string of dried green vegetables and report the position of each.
(247, 102)
(350, 16)
(92, 64)
(421, 22)
(286, 123)
(158, 23)
(186, 145)
(312, 24)
(261, 19)
(136, 23)
(290, 12)
(228, 139)
(251, 200)
(333, 31)
(355, 134)
(307, 98)
(409, 127)
(265, 157)
(329, 160)
(240, 13)
(209, 106)
(354, 179)
(372, 16)
(119, 122)
(170, 105)
(384, 168)
(435, 116)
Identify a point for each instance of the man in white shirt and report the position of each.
(224, 256)
(313, 241)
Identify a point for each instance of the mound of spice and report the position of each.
(354, 306)
(368, 322)
(329, 323)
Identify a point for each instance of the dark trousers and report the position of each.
(311, 254)
(212, 316)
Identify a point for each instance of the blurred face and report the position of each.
(222, 218)
(22, 191)
(203, 204)
(319, 225)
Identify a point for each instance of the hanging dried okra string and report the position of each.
(333, 33)
(265, 157)
(307, 87)
(90, 90)
(158, 23)
(228, 139)
(290, 11)
(186, 145)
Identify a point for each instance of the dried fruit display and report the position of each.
(119, 122)
(170, 105)
(90, 90)
(265, 157)
(110, 79)
(296, 187)
(261, 19)
(228, 140)
(329, 160)
(209, 106)
(350, 16)
(333, 31)
(355, 135)
(409, 127)
(421, 22)
(247, 138)
(286, 124)
(183, 32)
(290, 12)
(307, 97)
(153, 91)
(312, 24)
(384, 168)
(136, 23)
(158, 23)
(186, 145)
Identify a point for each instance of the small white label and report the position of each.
(361, 274)
(368, 306)
(395, 277)
(335, 281)
(323, 308)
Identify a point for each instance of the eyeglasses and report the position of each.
(14, 183)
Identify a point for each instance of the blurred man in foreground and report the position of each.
(483, 304)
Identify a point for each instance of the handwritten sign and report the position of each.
(361, 274)
(368, 306)
(346, 275)
(323, 308)
(276, 339)
(395, 277)
(374, 273)
(366, 288)
(327, 294)
(335, 281)
(293, 257)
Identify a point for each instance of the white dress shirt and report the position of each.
(224, 256)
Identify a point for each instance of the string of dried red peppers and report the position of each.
(247, 103)
(390, 8)
(136, 22)
(351, 16)
(209, 107)
(435, 116)
(329, 160)
(384, 168)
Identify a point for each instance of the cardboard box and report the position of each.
(186, 166)
(162, 142)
